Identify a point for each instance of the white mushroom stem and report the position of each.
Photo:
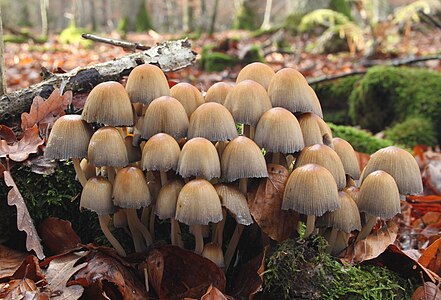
(310, 224)
(104, 221)
(341, 242)
(132, 218)
(276, 158)
(176, 233)
(366, 229)
(331, 240)
(219, 230)
(243, 186)
(145, 215)
(198, 238)
(233, 245)
(80, 174)
(136, 236)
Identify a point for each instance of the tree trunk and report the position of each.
(185, 16)
(2, 59)
(213, 17)
(266, 24)
(44, 4)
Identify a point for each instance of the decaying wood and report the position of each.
(169, 56)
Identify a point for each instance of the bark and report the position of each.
(213, 17)
(169, 56)
(2, 60)
(266, 24)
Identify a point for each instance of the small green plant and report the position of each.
(72, 35)
(412, 131)
(410, 13)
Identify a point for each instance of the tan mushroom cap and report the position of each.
(346, 218)
(401, 165)
(257, 71)
(134, 153)
(146, 83)
(379, 195)
(160, 153)
(279, 131)
(189, 96)
(311, 190)
(165, 114)
(213, 122)
(198, 203)
(213, 252)
(89, 169)
(199, 158)
(289, 89)
(242, 158)
(107, 148)
(97, 196)
(316, 106)
(247, 102)
(218, 92)
(315, 130)
(347, 156)
(325, 157)
(130, 189)
(165, 207)
(235, 202)
(108, 103)
(69, 138)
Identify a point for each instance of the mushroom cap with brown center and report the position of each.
(160, 153)
(218, 92)
(348, 157)
(146, 83)
(189, 96)
(107, 148)
(257, 71)
(130, 189)
(97, 196)
(235, 202)
(108, 103)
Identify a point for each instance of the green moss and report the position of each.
(292, 22)
(246, 17)
(213, 61)
(361, 140)
(18, 39)
(254, 54)
(143, 21)
(387, 95)
(72, 35)
(123, 26)
(299, 269)
(412, 131)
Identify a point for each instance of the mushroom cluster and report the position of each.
(176, 154)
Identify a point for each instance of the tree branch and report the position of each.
(123, 44)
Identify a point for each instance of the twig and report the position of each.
(431, 20)
(123, 44)
(336, 76)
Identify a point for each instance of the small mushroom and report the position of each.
(348, 157)
(213, 252)
(189, 96)
(218, 92)
(315, 130)
(257, 71)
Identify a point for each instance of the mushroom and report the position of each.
(97, 196)
(134, 153)
(348, 157)
(315, 130)
(213, 252)
(218, 92)
(69, 138)
(247, 102)
(189, 96)
(257, 71)
(198, 204)
(378, 197)
(316, 106)
(311, 190)
(88, 169)
(278, 131)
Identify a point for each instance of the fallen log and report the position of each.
(169, 56)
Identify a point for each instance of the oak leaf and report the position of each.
(10, 260)
(427, 291)
(19, 151)
(7, 134)
(57, 235)
(431, 257)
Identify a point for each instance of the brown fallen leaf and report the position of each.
(363, 159)
(105, 275)
(371, 247)
(213, 294)
(46, 111)
(175, 273)
(19, 151)
(19, 289)
(265, 205)
(2, 169)
(59, 272)
(7, 134)
(24, 220)
(30, 269)
(57, 235)
(10, 261)
(427, 291)
(431, 257)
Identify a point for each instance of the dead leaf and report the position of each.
(57, 235)
(59, 272)
(30, 269)
(46, 111)
(371, 247)
(7, 134)
(213, 294)
(431, 257)
(105, 275)
(41, 165)
(17, 289)
(10, 260)
(176, 273)
(266, 205)
(20, 150)
(428, 291)
(24, 220)
(363, 159)
(2, 169)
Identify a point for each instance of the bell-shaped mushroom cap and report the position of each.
(213, 122)
(146, 83)
(235, 202)
(160, 153)
(247, 102)
(311, 190)
(289, 89)
(167, 115)
(107, 148)
(97, 196)
(213, 252)
(199, 158)
(130, 189)
(316, 106)
(242, 158)
(325, 157)
(134, 153)
(279, 131)
(218, 92)
(401, 165)
(165, 207)
(189, 96)
(257, 71)
(108, 103)
(198, 203)
(347, 156)
(346, 218)
(315, 130)
(69, 138)
(379, 195)
(88, 169)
